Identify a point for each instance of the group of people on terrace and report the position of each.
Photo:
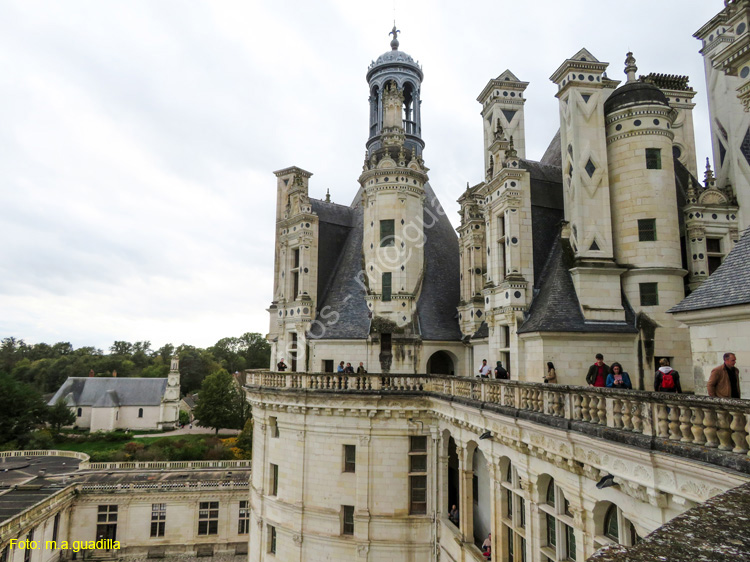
(724, 381)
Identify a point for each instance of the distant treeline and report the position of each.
(46, 367)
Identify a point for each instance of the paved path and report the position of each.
(187, 431)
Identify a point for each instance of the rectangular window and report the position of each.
(387, 232)
(348, 526)
(653, 158)
(714, 262)
(647, 230)
(713, 245)
(475, 488)
(271, 539)
(106, 522)
(208, 518)
(4, 555)
(714, 254)
(570, 543)
(296, 258)
(244, 522)
(295, 284)
(158, 519)
(523, 549)
(274, 479)
(418, 475)
(55, 527)
(328, 365)
(350, 458)
(649, 294)
(385, 343)
(386, 281)
(521, 512)
(273, 427)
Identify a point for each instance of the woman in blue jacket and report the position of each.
(617, 378)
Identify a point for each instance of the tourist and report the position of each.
(453, 515)
(340, 368)
(484, 370)
(281, 366)
(487, 547)
(724, 381)
(500, 372)
(551, 376)
(667, 379)
(349, 370)
(617, 378)
(361, 369)
(597, 375)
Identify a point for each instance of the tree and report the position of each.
(21, 408)
(59, 415)
(220, 405)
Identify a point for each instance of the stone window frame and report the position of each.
(713, 253)
(243, 521)
(417, 474)
(386, 295)
(647, 230)
(387, 233)
(653, 159)
(554, 507)
(158, 520)
(350, 458)
(273, 483)
(649, 294)
(273, 427)
(512, 502)
(208, 518)
(347, 520)
(626, 532)
(271, 539)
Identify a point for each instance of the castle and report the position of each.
(582, 252)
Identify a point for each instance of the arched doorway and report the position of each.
(440, 363)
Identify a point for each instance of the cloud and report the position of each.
(138, 139)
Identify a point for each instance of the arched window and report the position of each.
(140, 412)
(514, 515)
(559, 538)
(615, 528)
(611, 528)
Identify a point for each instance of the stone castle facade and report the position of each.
(584, 251)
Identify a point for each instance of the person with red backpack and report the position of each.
(667, 379)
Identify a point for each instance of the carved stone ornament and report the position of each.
(363, 550)
(364, 440)
(297, 539)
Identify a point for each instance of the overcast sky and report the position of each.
(138, 138)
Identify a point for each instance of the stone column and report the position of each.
(466, 504)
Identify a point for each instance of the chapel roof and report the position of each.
(111, 391)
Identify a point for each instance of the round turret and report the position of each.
(635, 93)
(397, 68)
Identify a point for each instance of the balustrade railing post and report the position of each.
(569, 401)
(738, 432)
(724, 433)
(696, 426)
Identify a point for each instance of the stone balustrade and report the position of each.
(682, 424)
(163, 465)
(167, 486)
(45, 453)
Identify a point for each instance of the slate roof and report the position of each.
(111, 391)
(553, 154)
(556, 307)
(727, 286)
(342, 309)
(438, 301)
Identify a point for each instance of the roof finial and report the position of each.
(394, 41)
(630, 67)
(328, 195)
(709, 177)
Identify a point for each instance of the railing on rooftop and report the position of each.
(717, 423)
(167, 465)
(45, 453)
